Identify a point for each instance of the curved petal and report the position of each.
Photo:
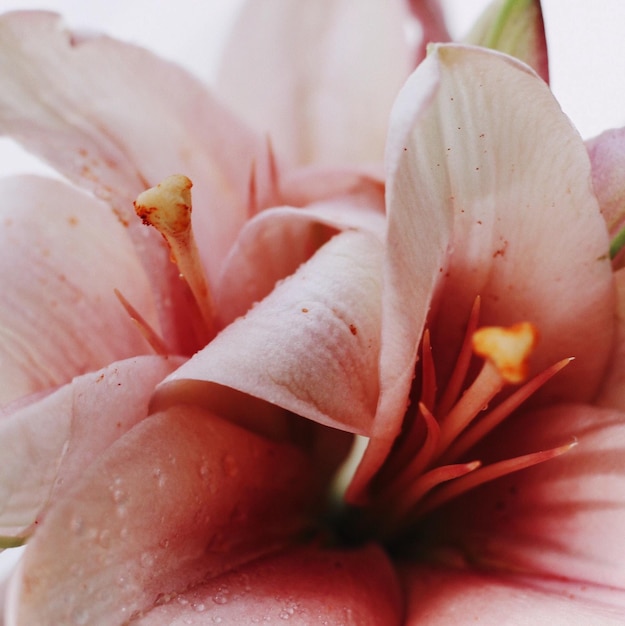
(318, 77)
(62, 254)
(612, 390)
(304, 586)
(117, 120)
(563, 518)
(478, 145)
(439, 597)
(607, 155)
(181, 498)
(45, 446)
(310, 347)
(277, 241)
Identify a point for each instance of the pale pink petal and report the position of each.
(516, 28)
(479, 146)
(181, 498)
(302, 586)
(62, 254)
(448, 597)
(45, 446)
(607, 155)
(310, 347)
(318, 77)
(277, 241)
(114, 118)
(563, 518)
(612, 390)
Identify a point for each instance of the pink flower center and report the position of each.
(431, 462)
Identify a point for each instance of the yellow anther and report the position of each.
(508, 349)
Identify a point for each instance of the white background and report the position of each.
(586, 49)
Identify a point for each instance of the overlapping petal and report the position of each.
(319, 78)
(607, 154)
(311, 347)
(62, 255)
(304, 586)
(116, 119)
(45, 446)
(489, 187)
(203, 497)
(446, 597)
(560, 519)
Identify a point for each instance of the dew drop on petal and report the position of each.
(230, 466)
(77, 525)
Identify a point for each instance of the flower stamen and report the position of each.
(168, 207)
(148, 333)
(486, 474)
(495, 417)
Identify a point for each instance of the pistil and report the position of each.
(168, 208)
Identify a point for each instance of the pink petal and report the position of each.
(607, 155)
(432, 22)
(116, 120)
(62, 255)
(181, 498)
(304, 586)
(612, 390)
(277, 241)
(439, 597)
(563, 518)
(479, 147)
(318, 77)
(45, 446)
(310, 347)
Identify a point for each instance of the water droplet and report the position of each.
(147, 559)
(104, 538)
(164, 543)
(284, 614)
(204, 470)
(119, 496)
(182, 600)
(80, 617)
(217, 620)
(77, 525)
(199, 607)
(230, 466)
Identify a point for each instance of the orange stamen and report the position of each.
(458, 376)
(495, 417)
(490, 472)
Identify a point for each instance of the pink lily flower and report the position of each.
(210, 510)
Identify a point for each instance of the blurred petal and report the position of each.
(117, 120)
(612, 390)
(607, 154)
(318, 77)
(304, 586)
(181, 498)
(310, 347)
(515, 27)
(62, 254)
(438, 597)
(489, 193)
(563, 518)
(432, 23)
(46, 446)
